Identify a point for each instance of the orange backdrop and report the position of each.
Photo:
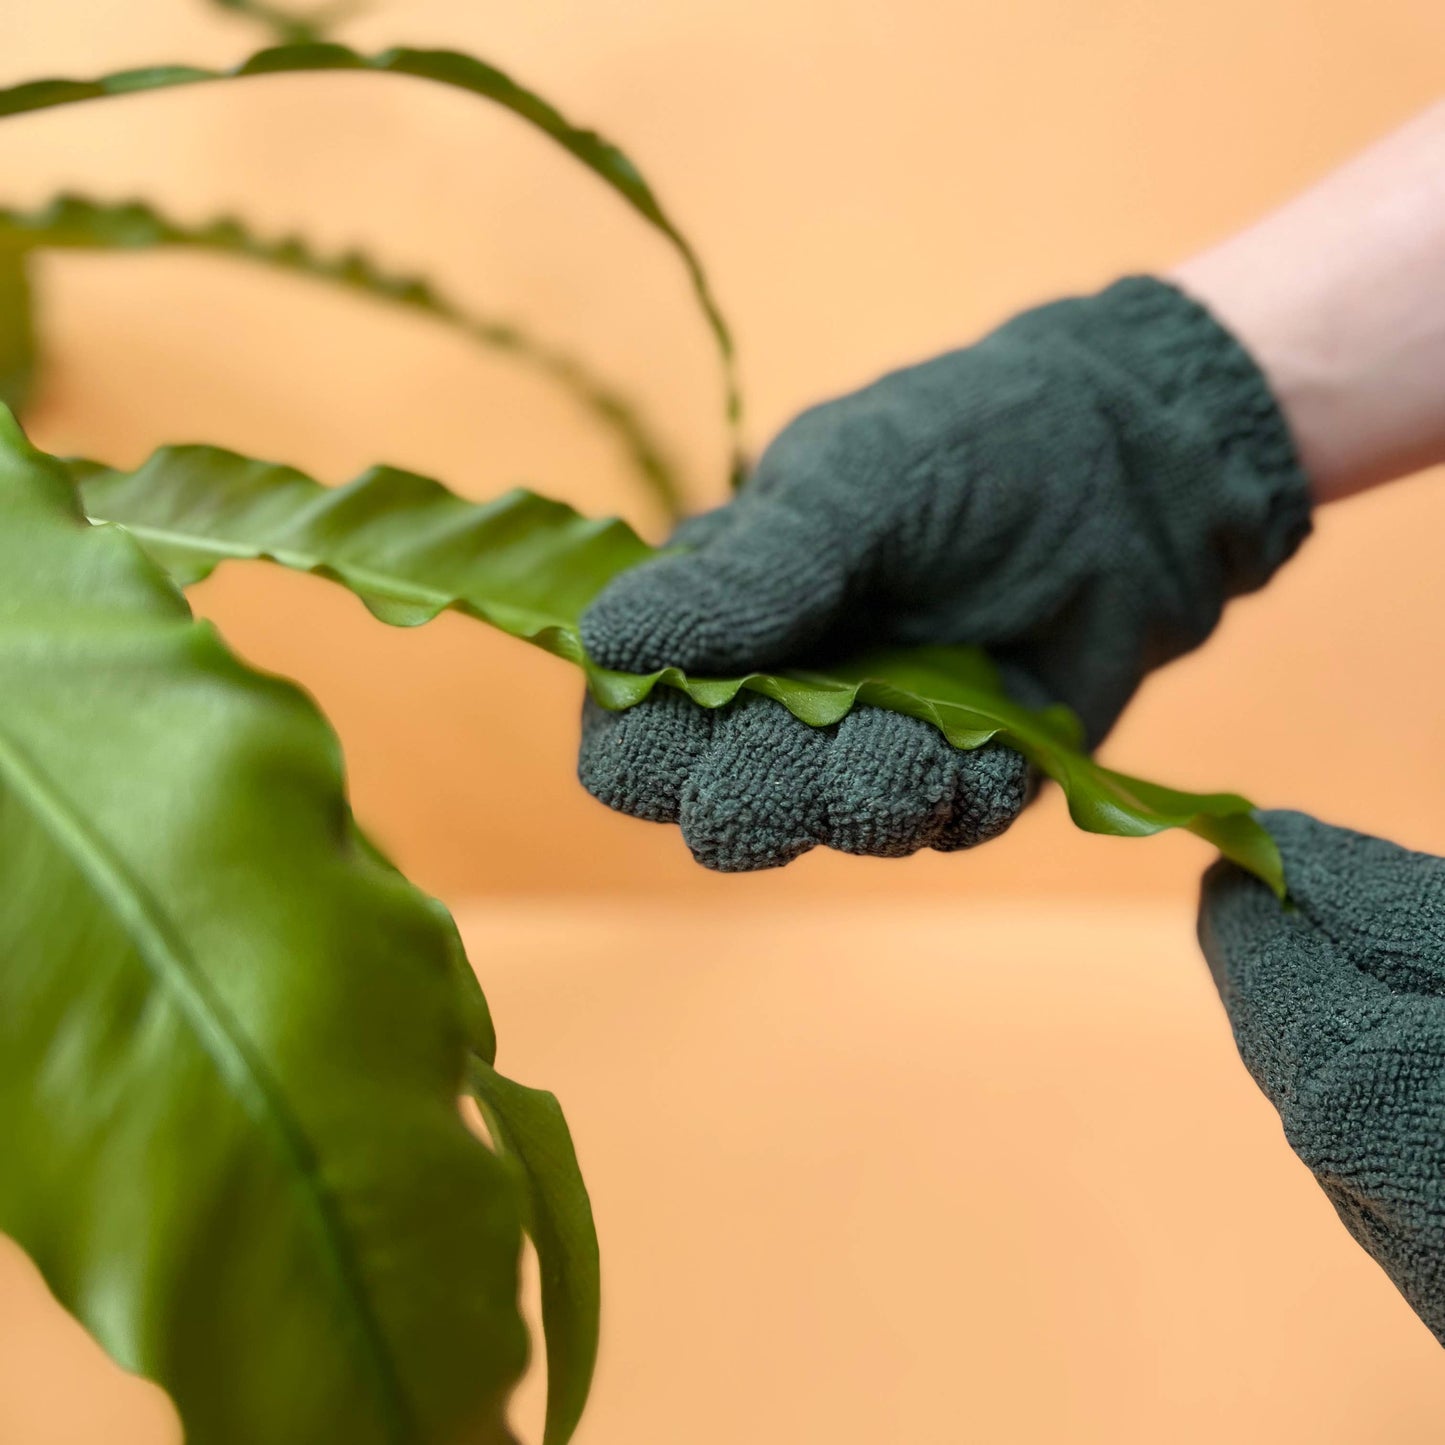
(868, 184)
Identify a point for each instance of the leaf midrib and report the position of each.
(362, 580)
(366, 580)
(172, 966)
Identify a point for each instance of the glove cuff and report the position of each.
(1259, 500)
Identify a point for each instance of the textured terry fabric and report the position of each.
(753, 787)
(1338, 1008)
(1080, 492)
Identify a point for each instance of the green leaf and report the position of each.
(446, 67)
(289, 28)
(528, 1126)
(409, 549)
(77, 222)
(17, 327)
(232, 1039)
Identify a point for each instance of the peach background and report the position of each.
(952, 1148)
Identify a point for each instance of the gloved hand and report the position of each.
(1338, 1008)
(1079, 493)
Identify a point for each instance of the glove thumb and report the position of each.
(763, 584)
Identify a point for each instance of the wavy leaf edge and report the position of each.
(1100, 800)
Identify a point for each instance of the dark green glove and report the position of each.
(1079, 492)
(1338, 1008)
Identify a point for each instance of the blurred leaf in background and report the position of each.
(294, 28)
(462, 72)
(72, 222)
(17, 326)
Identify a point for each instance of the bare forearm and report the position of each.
(1340, 297)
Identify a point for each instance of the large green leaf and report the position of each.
(409, 549)
(17, 326)
(527, 1125)
(77, 222)
(446, 67)
(232, 1038)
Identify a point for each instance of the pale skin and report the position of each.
(1339, 295)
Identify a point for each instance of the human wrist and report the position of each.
(1285, 330)
(1340, 298)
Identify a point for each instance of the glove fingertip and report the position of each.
(753, 801)
(637, 761)
(993, 788)
(648, 619)
(766, 583)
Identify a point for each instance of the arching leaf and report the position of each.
(410, 549)
(445, 67)
(79, 223)
(232, 1038)
(290, 27)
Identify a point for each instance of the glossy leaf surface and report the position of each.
(410, 549)
(74, 222)
(444, 67)
(232, 1037)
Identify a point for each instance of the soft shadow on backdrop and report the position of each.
(949, 1149)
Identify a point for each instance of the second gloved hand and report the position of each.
(1079, 492)
(1338, 1008)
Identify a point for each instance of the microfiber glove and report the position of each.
(1079, 492)
(1338, 1008)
